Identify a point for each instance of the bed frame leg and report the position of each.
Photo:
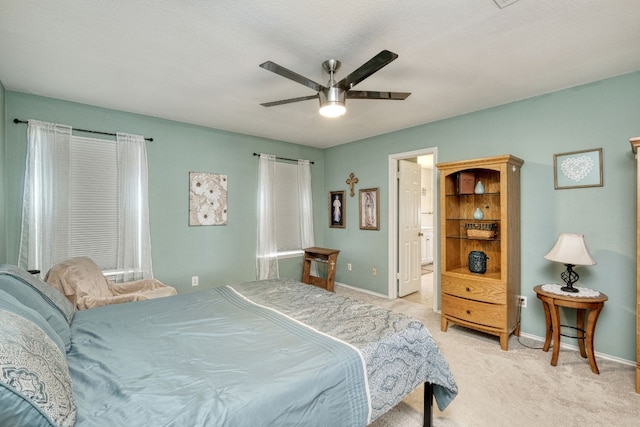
(428, 405)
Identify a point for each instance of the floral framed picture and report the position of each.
(369, 209)
(337, 209)
(578, 169)
(207, 199)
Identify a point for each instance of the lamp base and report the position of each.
(569, 277)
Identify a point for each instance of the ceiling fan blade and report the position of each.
(289, 101)
(368, 94)
(368, 68)
(278, 69)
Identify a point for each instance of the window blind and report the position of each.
(287, 208)
(94, 201)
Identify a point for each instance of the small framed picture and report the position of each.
(578, 169)
(337, 209)
(369, 209)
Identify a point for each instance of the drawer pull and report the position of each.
(468, 311)
(468, 289)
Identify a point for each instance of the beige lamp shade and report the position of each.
(570, 249)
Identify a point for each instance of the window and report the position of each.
(93, 201)
(287, 209)
(85, 197)
(285, 213)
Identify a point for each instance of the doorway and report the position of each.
(429, 284)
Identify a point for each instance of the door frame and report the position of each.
(392, 291)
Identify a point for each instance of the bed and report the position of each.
(274, 352)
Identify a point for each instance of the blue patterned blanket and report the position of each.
(399, 351)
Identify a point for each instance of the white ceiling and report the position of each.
(197, 61)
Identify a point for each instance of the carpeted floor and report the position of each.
(518, 387)
(425, 294)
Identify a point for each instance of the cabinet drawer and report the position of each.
(479, 290)
(473, 311)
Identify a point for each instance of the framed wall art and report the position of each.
(207, 199)
(337, 209)
(369, 209)
(578, 169)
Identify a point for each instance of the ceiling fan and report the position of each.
(333, 96)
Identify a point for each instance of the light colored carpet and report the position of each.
(518, 387)
(425, 294)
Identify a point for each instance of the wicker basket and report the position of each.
(486, 230)
(480, 234)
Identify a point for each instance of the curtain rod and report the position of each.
(284, 158)
(82, 130)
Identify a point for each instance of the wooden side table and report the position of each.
(552, 303)
(320, 255)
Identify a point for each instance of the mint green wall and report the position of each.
(217, 254)
(3, 223)
(603, 114)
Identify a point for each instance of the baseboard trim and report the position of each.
(362, 290)
(576, 348)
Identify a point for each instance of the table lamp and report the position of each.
(570, 250)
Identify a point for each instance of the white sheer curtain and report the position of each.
(50, 202)
(307, 238)
(133, 257)
(45, 215)
(267, 249)
(306, 204)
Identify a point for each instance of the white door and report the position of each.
(409, 227)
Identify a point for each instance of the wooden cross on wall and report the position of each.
(351, 181)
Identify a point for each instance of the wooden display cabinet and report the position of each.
(486, 301)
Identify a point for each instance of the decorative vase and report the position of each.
(478, 262)
(479, 188)
(477, 214)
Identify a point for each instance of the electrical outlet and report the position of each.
(523, 301)
(349, 266)
(194, 281)
(374, 271)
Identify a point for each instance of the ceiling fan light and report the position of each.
(333, 109)
(332, 102)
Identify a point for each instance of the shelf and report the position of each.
(474, 220)
(491, 239)
(464, 271)
(472, 195)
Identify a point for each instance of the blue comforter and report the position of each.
(210, 358)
